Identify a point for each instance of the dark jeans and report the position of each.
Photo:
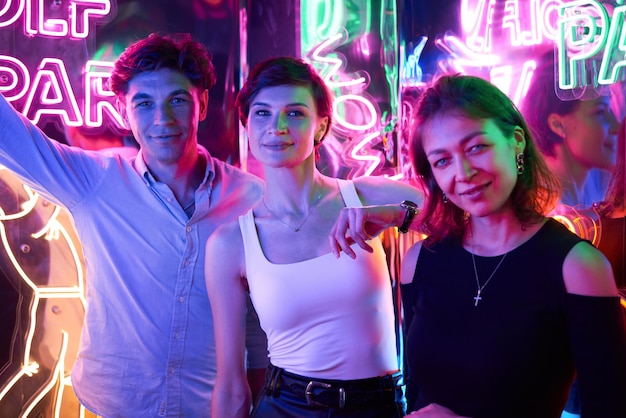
(289, 395)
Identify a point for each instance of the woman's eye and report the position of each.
(295, 113)
(477, 148)
(262, 112)
(440, 163)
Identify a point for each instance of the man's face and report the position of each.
(163, 110)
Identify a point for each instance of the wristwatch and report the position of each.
(411, 209)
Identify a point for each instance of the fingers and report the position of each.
(338, 239)
(349, 229)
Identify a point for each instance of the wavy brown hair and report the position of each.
(537, 189)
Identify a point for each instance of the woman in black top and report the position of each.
(502, 303)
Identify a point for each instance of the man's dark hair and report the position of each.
(176, 51)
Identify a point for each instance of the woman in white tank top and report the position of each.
(329, 319)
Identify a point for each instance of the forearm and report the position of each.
(44, 164)
(231, 400)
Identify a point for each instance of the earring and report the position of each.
(519, 163)
(445, 198)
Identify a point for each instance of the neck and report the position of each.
(294, 190)
(492, 237)
(183, 178)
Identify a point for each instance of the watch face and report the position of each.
(407, 204)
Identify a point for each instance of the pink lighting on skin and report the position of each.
(76, 25)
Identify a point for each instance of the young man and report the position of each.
(147, 346)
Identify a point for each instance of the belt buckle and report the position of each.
(312, 385)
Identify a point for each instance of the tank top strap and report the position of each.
(251, 244)
(349, 193)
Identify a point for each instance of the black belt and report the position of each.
(336, 393)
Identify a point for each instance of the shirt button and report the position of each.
(186, 263)
(181, 299)
(188, 229)
(177, 335)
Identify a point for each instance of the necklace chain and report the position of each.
(295, 228)
(479, 288)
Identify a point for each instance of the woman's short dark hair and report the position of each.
(537, 189)
(176, 51)
(285, 71)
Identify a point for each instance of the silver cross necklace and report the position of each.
(480, 288)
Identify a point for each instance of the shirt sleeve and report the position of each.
(256, 340)
(597, 331)
(61, 173)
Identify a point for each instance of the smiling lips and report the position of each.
(474, 191)
(166, 137)
(277, 145)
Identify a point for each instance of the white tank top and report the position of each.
(324, 317)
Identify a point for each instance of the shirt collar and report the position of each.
(148, 178)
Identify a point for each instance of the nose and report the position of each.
(279, 125)
(464, 170)
(163, 115)
(614, 127)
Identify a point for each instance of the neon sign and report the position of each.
(47, 90)
(527, 23)
(51, 93)
(38, 19)
(508, 59)
(591, 44)
(64, 281)
(363, 134)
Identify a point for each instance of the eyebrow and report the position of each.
(141, 96)
(463, 141)
(288, 104)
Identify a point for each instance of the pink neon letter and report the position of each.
(52, 94)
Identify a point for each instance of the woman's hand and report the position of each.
(434, 411)
(357, 225)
